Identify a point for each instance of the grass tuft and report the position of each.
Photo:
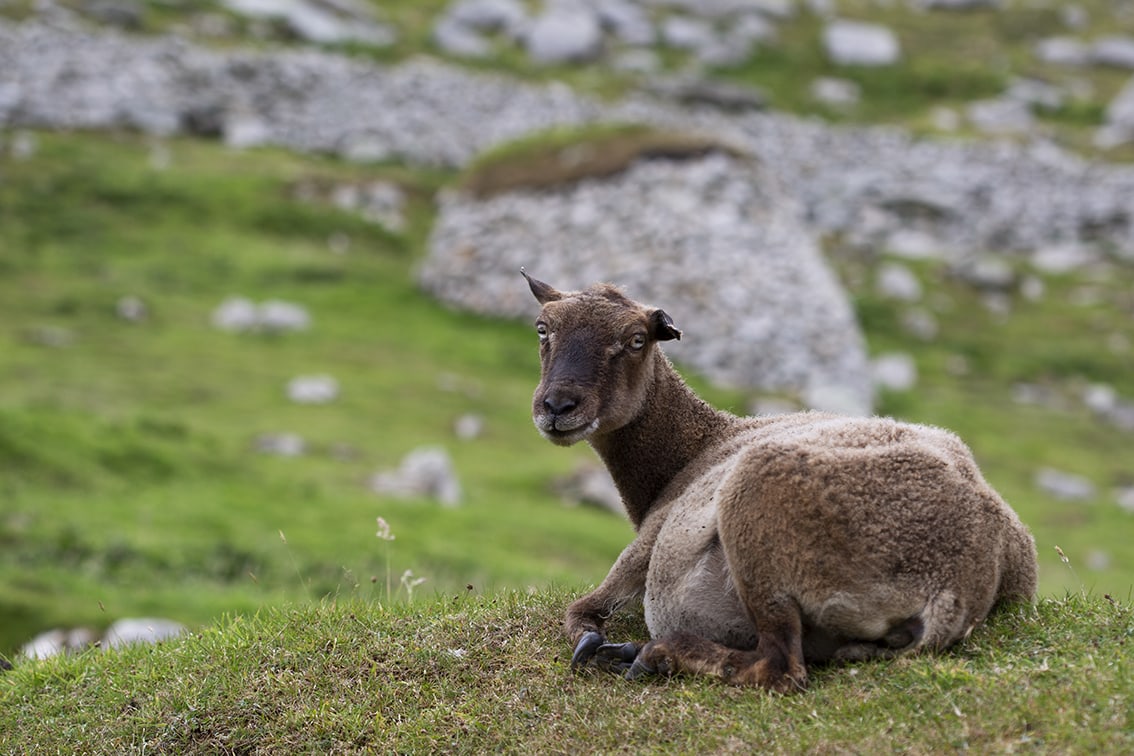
(476, 674)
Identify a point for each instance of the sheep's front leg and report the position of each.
(587, 615)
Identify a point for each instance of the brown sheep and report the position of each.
(765, 544)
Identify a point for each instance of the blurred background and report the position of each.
(263, 337)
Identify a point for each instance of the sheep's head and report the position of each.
(597, 350)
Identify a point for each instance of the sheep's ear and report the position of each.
(661, 324)
(543, 292)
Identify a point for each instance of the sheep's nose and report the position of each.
(559, 404)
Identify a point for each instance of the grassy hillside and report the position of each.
(130, 480)
(472, 674)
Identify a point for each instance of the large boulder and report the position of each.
(712, 238)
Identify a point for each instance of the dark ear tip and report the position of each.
(664, 327)
(543, 293)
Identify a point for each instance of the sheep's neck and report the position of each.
(645, 455)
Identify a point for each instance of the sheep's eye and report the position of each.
(541, 329)
(637, 341)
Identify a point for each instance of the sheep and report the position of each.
(765, 544)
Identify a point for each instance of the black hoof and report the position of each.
(639, 669)
(616, 657)
(586, 648)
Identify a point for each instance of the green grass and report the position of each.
(129, 484)
(474, 674)
(129, 480)
(563, 155)
(126, 455)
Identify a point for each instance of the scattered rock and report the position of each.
(51, 336)
(628, 22)
(835, 397)
(1100, 398)
(313, 389)
(238, 315)
(944, 118)
(1063, 51)
(321, 22)
(468, 427)
(1097, 560)
(564, 34)
(898, 282)
(467, 26)
(1065, 486)
(122, 632)
(423, 473)
(130, 631)
(1001, 116)
(871, 183)
(458, 39)
(592, 485)
(1118, 128)
(1058, 259)
(1124, 497)
(132, 309)
(1114, 51)
(733, 98)
(956, 5)
(124, 14)
(894, 372)
(855, 43)
(836, 93)
(277, 316)
(987, 273)
(920, 323)
(244, 131)
(1035, 93)
(281, 444)
(381, 202)
(912, 244)
(769, 406)
(235, 314)
(58, 641)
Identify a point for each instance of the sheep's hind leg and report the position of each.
(767, 666)
(690, 654)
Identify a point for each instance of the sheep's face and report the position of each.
(597, 349)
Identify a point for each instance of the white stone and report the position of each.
(131, 308)
(140, 630)
(313, 389)
(837, 93)
(1115, 51)
(276, 316)
(426, 472)
(898, 282)
(1058, 259)
(468, 427)
(281, 444)
(1065, 51)
(1100, 398)
(245, 131)
(564, 34)
(235, 314)
(894, 372)
(1065, 486)
(855, 43)
(590, 484)
(1002, 116)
